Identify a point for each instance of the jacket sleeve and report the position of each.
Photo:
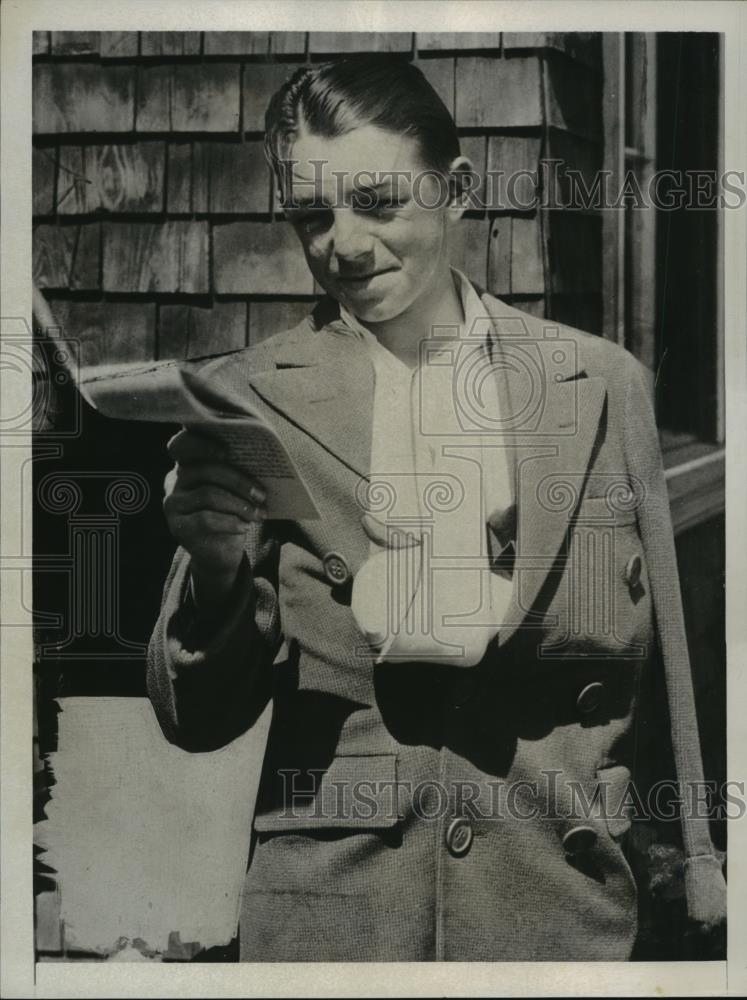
(210, 679)
(704, 882)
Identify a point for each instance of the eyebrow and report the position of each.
(304, 200)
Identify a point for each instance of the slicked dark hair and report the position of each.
(330, 99)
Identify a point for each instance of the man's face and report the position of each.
(376, 249)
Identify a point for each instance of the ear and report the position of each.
(462, 181)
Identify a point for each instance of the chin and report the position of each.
(374, 312)
(377, 304)
(376, 308)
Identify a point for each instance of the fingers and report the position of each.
(199, 463)
(205, 524)
(190, 447)
(209, 505)
(225, 477)
(215, 500)
(169, 482)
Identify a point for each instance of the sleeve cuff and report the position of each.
(193, 637)
(705, 887)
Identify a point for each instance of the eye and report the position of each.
(311, 222)
(378, 206)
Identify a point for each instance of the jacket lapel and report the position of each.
(549, 449)
(323, 382)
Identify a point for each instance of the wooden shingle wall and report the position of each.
(153, 225)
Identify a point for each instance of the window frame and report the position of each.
(694, 468)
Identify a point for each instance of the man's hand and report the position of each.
(208, 506)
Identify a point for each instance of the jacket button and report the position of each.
(590, 698)
(335, 568)
(579, 839)
(633, 571)
(459, 837)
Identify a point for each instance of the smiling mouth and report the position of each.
(361, 279)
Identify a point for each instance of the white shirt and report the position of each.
(438, 470)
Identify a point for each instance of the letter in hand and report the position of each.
(208, 506)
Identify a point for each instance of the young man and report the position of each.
(455, 649)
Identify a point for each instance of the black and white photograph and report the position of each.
(365, 528)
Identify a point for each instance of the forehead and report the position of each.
(321, 161)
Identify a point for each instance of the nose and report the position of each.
(351, 240)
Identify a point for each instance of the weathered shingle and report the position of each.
(440, 74)
(333, 42)
(498, 93)
(237, 43)
(66, 257)
(499, 255)
(118, 44)
(108, 332)
(473, 147)
(179, 190)
(189, 98)
(513, 160)
(527, 271)
(220, 177)
(426, 40)
(469, 248)
(116, 178)
(39, 43)
(192, 331)
(170, 43)
(267, 318)
(260, 83)
(259, 258)
(83, 97)
(75, 43)
(43, 166)
(583, 46)
(288, 42)
(200, 176)
(239, 177)
(170, 257)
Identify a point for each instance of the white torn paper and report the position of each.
(147, 839)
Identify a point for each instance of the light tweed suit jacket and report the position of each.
(480, 854)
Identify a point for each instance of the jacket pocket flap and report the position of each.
(615, 784)
(354, 792)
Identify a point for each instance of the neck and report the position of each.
(438, 305)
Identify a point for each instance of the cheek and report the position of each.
(316, 254)
(426, 238)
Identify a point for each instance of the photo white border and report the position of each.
(19, 976)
